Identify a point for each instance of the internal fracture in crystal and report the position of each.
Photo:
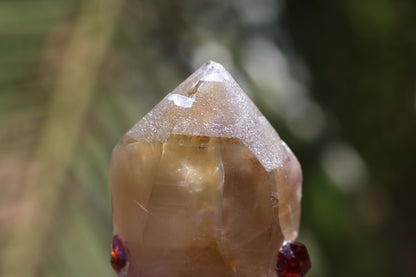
(203, 185)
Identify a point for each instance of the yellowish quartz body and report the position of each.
(203, 185)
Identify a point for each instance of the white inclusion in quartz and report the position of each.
(181, 101)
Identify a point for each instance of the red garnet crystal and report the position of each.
(118, 254)
(293, 260)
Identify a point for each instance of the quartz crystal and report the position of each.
(203, 186)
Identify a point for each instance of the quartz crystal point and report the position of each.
(203, 186)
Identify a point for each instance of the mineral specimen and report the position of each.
(203, 186)
(293, 260)
(118, 254)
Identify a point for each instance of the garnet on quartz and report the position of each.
(203, 185)
(293, 260)
(118, 254)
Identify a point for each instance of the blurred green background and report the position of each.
(336, 78)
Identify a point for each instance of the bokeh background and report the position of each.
(336, 78)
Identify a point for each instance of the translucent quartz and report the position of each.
(203, 185)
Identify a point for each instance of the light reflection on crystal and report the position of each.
(189, 169)
(193, 177)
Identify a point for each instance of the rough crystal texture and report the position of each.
(203, 185)
(210, 103)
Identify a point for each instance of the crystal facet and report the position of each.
(203, 185)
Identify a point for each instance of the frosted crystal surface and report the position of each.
(210, 103)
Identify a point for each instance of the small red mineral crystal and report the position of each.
(118, 254)
(293, 260)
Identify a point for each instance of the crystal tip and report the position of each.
(213, 65)
(214, 72)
